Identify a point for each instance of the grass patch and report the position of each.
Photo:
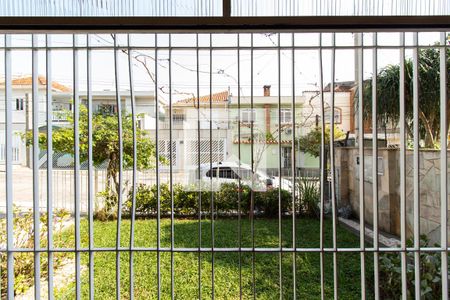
(226, 265)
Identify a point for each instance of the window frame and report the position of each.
(250, 115)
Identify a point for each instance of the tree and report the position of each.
(311, 142)
(105, 142)
(388, 105)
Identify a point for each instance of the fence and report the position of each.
(63, 192)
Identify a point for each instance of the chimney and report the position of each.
(267, 91)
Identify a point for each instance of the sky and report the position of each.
(223, 72)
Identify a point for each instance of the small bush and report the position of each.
(24, 239)
(430, 273)
(309, 198)
(185, 200)
(147, 199)
(268, 202)
(226, 199)
(106, 208)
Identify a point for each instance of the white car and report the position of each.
(231, 172)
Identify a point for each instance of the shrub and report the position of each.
(430, 277)
(268, 202)
(147, 199)
(309, 197)
(186, 200)
(245, 199)
(24, 239)
(106, 208)
(226, 199)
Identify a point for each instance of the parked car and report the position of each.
(216, 174)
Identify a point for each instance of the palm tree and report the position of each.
(388, 105)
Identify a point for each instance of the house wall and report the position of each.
(347, 187)
(185, 133)
(342, 100)
(19, 122)
(265, 125)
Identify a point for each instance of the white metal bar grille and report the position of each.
(444, 162)
(9, 182)
(158, 190)
(361, 130)
(403, 165)
(77, 187)
(35, 158)
(416, 166)
(375, 167)
(49, 109)
(91, 206)
(332, 170)
(323, 175)
(208, 147)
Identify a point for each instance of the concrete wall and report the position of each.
(347, 181)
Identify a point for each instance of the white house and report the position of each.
(62, 100)
(193, 118)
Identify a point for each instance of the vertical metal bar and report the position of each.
(323, 177)
(226, 8)
(172, 228)
(90, 169)
(133, 195)
(416, 166)
(375, 166)
(333, 184)
(49, 165)
(444, 160)
(210, 162)
(294, 183)
(252, 193)
(76, 145)
(119, 187)
(280, 256)
(9, 171)
(158, 190)
(362, 207)
(36, 212)
(239, 162)
(403, 168)
(199, 173)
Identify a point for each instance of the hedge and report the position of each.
(227, 200)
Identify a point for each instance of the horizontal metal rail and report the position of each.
(237, 249)
(221, 24)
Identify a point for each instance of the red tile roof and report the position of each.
(27, 81)
(215, 98)
(344, 86)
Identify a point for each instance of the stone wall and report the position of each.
(347, 188)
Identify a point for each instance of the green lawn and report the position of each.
(226, 265)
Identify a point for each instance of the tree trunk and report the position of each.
(429, 136)
(111, 174)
